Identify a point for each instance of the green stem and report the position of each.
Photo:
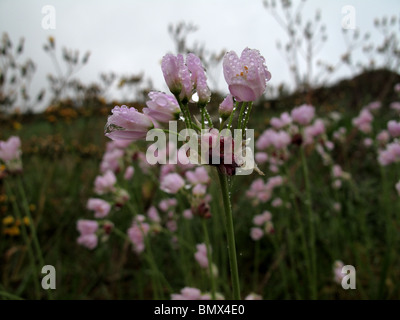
(27, 241)
(308, 202)
(232, 115)
(203, 125)
(230, 235)
(240, 118)
(209, 257)
(256, 265)
(247, 116)
(210, 123)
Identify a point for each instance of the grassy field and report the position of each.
(357, 223)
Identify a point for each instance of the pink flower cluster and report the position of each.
(389, 155)
(201, 255)
(10, 154)
(136, 233)
(262, 192)
(88, 237)
(263, 225)
(364, 121)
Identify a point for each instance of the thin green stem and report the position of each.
(256, 265)
(210, 123)
(308, 202)
(230, 236)
(240, 118)
(209, 257)
(31, 224)
(247, 116)
(17, 213)
(232, 115)
(203, 125)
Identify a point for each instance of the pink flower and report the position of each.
(201, 255)
(394, 128)
(253, 296)
(337, 271)
(397, 87)
(127, 124)
(261, 157)
(172, 183)
(188, 293)
(117, 144)
(187, 214)
(198, 78)
(368, 142)
(281, 122)
(166, 204)
(89, 241)
(389, 155)
(100, 207)
(152, 213)
(199, 175)
(10, 149)
(129, 171)
(246, 76)
(86, 227)
(137, 232)
(279, 140)
(363, 121)
(226, 107)
(105, 183)
(111, 160)
(375, 105)
(256, 233)
(277, 202)
(172, 225)
(303, 114)
(337, 171)
(199, 190)
(395, 105)
(162, 107)
(383, 137)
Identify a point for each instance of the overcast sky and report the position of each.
(131, 36)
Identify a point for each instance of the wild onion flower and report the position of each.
(10, 154)
(10, 149)
(162, 107)
(137, 232)
(201, 255)
(100, 207)
(337, 271)
(87, 230)
(127, 124)
(172, 183)
(105, 183)
(303, 114)
(246, 76)
(363, 121)
(394, 128)
(129, 171)
(226, 107)
(198, 78)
